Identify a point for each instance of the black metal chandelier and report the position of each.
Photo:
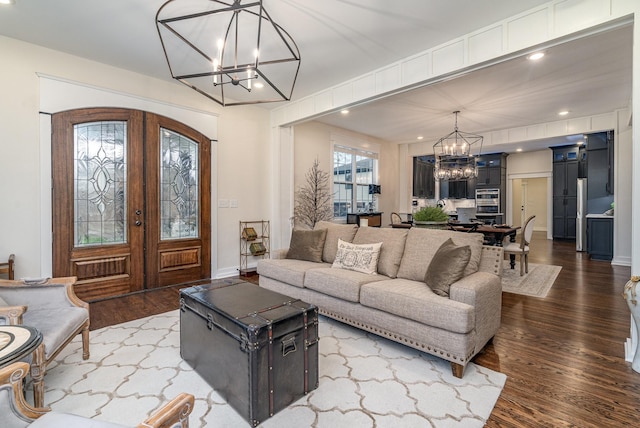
(454, 155)
(229, 51)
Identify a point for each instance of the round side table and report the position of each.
(18, 342)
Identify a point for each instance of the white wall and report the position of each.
(243, 171)
(313, 140)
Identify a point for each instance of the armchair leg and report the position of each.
(85, 342)
(38, 368)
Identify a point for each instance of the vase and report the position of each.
(431, 224)
(630, 295)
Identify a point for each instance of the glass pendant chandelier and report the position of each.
(456, 154)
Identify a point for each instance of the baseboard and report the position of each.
(227, 272)
(621, 261)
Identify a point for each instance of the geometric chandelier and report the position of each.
(455, 159)
(230, 51)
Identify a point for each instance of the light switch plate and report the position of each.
(223, 203)
(233, 203)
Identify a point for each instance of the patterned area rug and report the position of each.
(536, 283)
(365, 381)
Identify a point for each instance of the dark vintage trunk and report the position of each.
(258, 349)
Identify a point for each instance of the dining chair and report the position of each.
(522, 248)
(395, 218)
(18, 413)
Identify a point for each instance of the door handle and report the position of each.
(138, 223)
(138, 212)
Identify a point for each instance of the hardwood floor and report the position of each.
(563, 355)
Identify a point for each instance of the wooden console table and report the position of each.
(374, 219)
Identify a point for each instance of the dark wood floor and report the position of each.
(563, 355)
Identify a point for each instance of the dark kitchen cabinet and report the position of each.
(458, 189)
(424, 184)
(599, 171)
(600, 238)
(565, 176)
(492, 171)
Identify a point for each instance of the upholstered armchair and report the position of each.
(52, 307)
(15, 412)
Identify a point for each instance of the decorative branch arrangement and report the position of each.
(313, 199)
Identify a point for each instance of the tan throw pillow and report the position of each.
(447, 266)
(360, 258)
(307, 245)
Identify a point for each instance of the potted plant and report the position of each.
(431, 217)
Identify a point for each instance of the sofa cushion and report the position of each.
(393, 241)
(335, 231)
(360, 258)
(341, 283)
(422, 245)
(307, 245)
(288, 271)
(413, 300)
(447, 267)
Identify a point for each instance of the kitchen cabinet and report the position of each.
(374, 219)
(599, 171)
(600, 237)
(565, 176)
(424, 184)
(492, 171)
(458, 189)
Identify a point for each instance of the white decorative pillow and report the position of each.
(360, 258)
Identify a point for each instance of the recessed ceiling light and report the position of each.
(518, 150)
(420, 137)
(7, 1)
(563, 112)
(258, 85)
(535, 56)
(345, 111)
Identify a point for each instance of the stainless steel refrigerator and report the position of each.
(581, 215)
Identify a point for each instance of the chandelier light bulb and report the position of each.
(216, 67)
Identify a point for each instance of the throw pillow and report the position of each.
(447, 266)
(360, 258)
(307, 245)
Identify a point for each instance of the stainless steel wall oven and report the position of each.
(487, 201)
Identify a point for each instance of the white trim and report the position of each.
(60, 94)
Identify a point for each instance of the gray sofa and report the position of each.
(396, 303)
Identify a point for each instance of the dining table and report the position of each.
(493, 234)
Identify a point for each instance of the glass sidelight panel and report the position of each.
(179, 187)
(100, 185)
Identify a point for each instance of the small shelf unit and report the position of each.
(254, 244)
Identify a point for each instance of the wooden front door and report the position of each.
(131, 201)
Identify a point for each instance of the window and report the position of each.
(353, 171)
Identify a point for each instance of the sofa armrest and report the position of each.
(279, 254)
(12, 314)
(491, 259)
(483, 291)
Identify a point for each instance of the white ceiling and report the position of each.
(342, 39)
